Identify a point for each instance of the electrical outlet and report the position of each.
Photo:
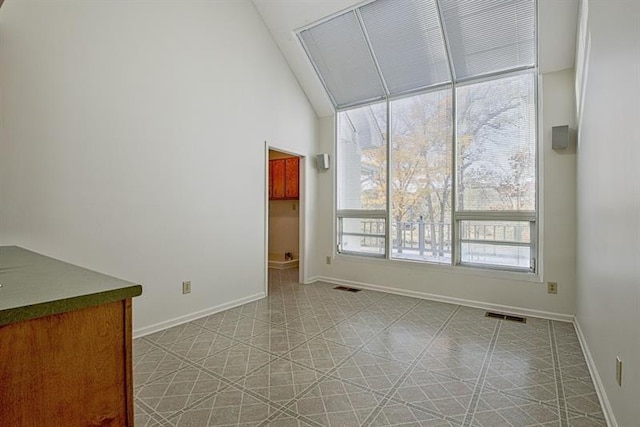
(619, 370)
(186, 287)
(328, 259)
(552, 287)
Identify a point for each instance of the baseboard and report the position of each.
(137, 333)
(597, 381)
(313, 279)
(283, 265)
(451, 300)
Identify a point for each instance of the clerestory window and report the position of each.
(436, 109)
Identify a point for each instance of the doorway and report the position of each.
(284, 217)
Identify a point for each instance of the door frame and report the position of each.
(301, 212)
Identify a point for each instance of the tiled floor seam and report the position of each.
(383, 395)
(329, 373)
(235, 383)
(290, 329)
(475, 396)
(372, 416)
(228, 382)
(540, 402)
(562, 405)
(189, 362)
(151, 412)
(510, 394)
(281, 344)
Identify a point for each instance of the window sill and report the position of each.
(445, 268)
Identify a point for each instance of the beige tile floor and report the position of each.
(313, 355)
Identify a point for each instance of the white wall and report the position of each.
(608, 292)
(558, 222)
(283, 228)
(133, 142)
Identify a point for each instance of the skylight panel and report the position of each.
(339, 52)
(406, 39)
(489, 36)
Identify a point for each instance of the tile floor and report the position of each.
(312, 355)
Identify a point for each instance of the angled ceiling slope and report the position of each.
(557, 21)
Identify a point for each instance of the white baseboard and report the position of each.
(310, 280)
(137, 333)
(451, 300)
(597, 381)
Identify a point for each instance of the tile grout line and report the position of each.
(562, 405)
(150, 411)
(540, 402)
(238, 341)
(510, 394)
(372, 416)
(235, 383)
(280, 409)
(181, 358)
(329, 373)
(475, 396)
(228, 383)
(288, 329)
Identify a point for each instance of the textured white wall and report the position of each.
(608, 292)
(558, 190)
(132, 142)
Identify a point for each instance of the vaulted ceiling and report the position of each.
(557, 21)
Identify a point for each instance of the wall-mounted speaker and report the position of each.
(322, 161)
(559, 137)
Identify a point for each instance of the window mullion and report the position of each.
(455, 244)
(373, 55)
(389, 241)
(447, 47)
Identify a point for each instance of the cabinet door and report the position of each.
(291, 175)
(277, 178)
(68, 369)
(270, 179)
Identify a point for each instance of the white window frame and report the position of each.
(361, 214)
(456, 216)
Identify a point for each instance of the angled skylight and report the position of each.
(489, 36)
(406, 38)
(343, 60)
(387, 48)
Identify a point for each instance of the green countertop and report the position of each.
(34, 285)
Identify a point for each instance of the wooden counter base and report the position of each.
(69, 369)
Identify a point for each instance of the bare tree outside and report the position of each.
(495, 162)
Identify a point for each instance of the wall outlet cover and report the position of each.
(186, 287)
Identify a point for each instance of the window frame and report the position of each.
(361, 214)
(533, 217)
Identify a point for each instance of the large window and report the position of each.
(362, 180)
(436, 129)
(496, 172)
(421, 176)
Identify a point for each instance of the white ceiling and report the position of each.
(557, 23)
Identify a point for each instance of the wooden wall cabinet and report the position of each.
(284, 179)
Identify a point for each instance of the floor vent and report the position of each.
(505, 317)
(494, 315)
(344, 288)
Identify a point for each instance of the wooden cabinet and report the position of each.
(68, 369)
(284, 179)
(65, 343)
